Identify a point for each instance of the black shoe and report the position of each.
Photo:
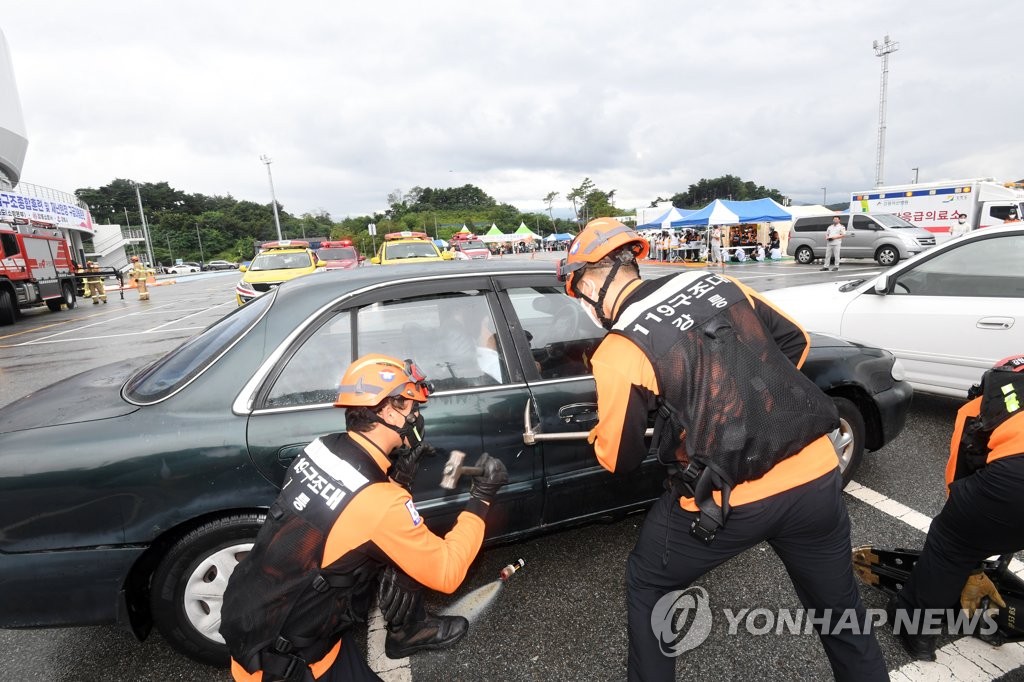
(434, 632)
(825, 269)
(918, 647)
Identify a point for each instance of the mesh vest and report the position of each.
(730, 400)
(1002, 396)
(279, 590)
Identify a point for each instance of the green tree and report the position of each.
(732, 187)
(549, 199)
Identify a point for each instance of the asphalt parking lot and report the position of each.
(562, 617)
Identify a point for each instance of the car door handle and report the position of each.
(578, 413)
(289, 452)
(995, 323)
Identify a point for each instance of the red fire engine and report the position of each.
(35, 269)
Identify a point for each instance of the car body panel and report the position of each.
(117, 491)
(947, 314)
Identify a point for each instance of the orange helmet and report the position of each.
(598, 239)
(372, 378)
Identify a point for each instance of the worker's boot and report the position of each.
(428, 632)
(919, 647)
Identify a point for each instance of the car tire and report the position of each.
(805, 255)
(8, 311)
(848, 439)
(67, 298)
(188, 586)
(887, 256)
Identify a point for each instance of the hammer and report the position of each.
(454, 468)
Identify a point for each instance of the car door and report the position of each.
(950, 316)
(448, 328)
(559, 338)
(860, 238)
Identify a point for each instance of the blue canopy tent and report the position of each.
(725, 212)
(559, 237)
(670, 219)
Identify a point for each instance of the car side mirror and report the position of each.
(375, 260)
(882, 285)
(242, 268)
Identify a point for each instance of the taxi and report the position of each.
(408, 247)
(276, 263)
(339, 254)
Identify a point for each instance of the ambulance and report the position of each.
(949, 208)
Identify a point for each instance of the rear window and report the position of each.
(187, 361)
(338, 253)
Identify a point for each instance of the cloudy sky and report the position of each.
(352, 100)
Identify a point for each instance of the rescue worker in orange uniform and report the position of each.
(743, 434)
(340, 523)
(983, 510)
(94, 287)
(139, 273)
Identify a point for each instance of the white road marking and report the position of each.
(967, 659)
(79, 339)
(198, 312)
(390, 670)
(85, 326)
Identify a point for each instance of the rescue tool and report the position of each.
(474, 604)
(889, 570)
(454, 468)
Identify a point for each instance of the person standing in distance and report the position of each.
(834, 236)
(742, 433)
(344, 522)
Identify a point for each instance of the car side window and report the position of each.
(452, 337)
(313, 372)
(985, 267)
(862, 222)
(562, 337)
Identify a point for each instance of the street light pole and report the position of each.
(915, 174)
(883, 50)
(273, 199)
(145, 226)
(202, 258)
(824, 200)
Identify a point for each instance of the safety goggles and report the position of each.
(418, 377)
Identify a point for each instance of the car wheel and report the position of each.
(8, 311)
(848, 439)
(887, 255)
(805, 255)
(67, 298)
(188, 586)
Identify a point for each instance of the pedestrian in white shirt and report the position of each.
(834, 236)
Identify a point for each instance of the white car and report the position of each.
(183, 269)
(948, 314)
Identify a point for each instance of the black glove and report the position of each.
(486, 485)
(398, 597)
(406, 461)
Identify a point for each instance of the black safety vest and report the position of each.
(730, 402)
(279, 599)
(1002, 396)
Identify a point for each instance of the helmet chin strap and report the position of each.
(599, 303)
(406, 431)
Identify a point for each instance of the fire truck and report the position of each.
(35, 269)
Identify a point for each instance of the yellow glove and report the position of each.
(978, 587)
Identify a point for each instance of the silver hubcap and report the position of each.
(842, 441)
(204, 590)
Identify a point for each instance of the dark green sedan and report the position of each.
(145, 485)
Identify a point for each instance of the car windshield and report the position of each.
(187, 361)
(471, 244)
(280, 261)
(889, 220)
(341, 253)
(410, 250)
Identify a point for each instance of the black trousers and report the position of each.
(349, 666)
(983, 516)
(809, 529)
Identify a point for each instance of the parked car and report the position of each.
(886, 238)
(183, 268)
(146, 480)
(278, 262)
(219, 265)
(948, 314)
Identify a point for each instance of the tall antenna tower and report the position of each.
(883, 50)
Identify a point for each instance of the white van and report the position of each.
(884, 237)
